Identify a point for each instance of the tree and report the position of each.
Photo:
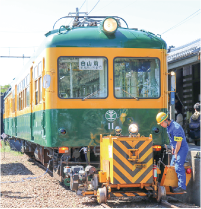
(4, 88)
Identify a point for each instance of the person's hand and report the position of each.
(172, 151)
(175, 155)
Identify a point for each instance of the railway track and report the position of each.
(42, 166)
(169, 205)
(164, 203)
(105, 205)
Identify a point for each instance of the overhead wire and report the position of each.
(105, 5)
(82, 5)
(94, 7)
(183, 21)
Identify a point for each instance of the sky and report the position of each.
(23, 23)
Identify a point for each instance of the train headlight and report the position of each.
(110, 25)
(118, 130)
(133, 128)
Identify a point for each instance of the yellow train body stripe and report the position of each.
(50, 95)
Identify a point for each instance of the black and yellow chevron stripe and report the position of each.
(129, 172)
(128, 194)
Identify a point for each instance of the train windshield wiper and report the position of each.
(131, 95)
(90, 95)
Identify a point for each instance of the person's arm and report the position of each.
(178, 146)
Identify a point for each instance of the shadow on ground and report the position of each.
(14, 169)
(10, 194)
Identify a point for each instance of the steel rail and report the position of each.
(169, 205)
(105, 205)
(42, 166)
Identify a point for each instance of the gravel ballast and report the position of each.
(41, 190)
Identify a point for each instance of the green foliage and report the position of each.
(5, 147)
(4, 88)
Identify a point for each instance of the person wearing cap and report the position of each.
(195, 124)
(179, 147)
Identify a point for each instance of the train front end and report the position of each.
(99, 80)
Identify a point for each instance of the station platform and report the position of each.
(193, 189)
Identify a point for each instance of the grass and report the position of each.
(5, 147)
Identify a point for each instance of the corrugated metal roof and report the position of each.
(184, 51)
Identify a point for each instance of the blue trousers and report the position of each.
(179, 167)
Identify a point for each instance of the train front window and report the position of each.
(82, 77)
(136, 77)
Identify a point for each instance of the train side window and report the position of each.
(36, 92)
(40, 81)
(35, 72)
(17, 101)
(24, 99)
(39, 68)
(82, 77)
(136, 77)
(21, 100)
(40, 89)
(13, 101)
(26, 91)
(27, 96)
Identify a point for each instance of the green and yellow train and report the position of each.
(93, 78)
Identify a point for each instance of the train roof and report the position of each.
(94, 37)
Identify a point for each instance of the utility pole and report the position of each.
(77, 13)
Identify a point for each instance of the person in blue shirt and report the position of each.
(179, 147)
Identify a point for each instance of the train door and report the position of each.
(31, 103)
(43, 101)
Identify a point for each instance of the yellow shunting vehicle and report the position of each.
(127, 169)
